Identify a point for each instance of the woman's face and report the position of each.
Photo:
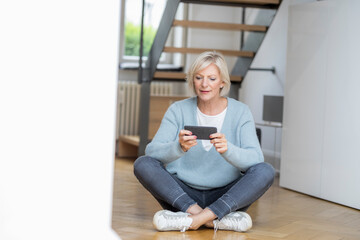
(207, 83)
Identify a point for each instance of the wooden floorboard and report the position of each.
(279, 214)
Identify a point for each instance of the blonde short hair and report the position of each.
(204, 60)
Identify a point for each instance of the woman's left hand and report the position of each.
(219, 141)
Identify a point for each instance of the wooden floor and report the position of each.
(279, 214)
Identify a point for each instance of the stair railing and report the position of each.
(146, 74)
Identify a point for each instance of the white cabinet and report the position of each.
(321, 129)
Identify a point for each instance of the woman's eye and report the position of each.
(212, 79)
(198, 77)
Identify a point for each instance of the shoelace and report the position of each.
(232, 222)
(229, 222)
(174, 221)
(216, 225)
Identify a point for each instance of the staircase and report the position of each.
(244, 57)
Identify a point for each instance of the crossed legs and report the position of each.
(174, 195)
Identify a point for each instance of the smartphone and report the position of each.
(201, 132)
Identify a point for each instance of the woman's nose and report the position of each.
(204, 82)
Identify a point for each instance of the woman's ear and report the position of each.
(222, 85)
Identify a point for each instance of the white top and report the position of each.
(210, 121)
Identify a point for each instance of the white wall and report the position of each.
(57, 98)
(256, 84)
(321, 131)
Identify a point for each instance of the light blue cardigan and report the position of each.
(197, 167)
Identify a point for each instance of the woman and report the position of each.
(205, 182)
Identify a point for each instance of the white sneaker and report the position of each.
(236, 221)
(166, 220)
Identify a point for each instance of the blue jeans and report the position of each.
(175, 195)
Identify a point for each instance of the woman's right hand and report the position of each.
(186, 140)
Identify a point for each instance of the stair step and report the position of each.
(170, 75)
(221, 26)
(130, 139)
(248, 3)
(181, 76)
(200, 50)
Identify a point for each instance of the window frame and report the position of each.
(165, 58)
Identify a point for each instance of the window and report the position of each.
(131, 27)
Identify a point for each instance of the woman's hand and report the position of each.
(219, 141)
(186, 140)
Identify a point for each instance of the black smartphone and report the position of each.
(201, 132)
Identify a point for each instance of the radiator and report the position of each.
(128, 104)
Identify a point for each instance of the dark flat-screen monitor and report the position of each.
(273, 108)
